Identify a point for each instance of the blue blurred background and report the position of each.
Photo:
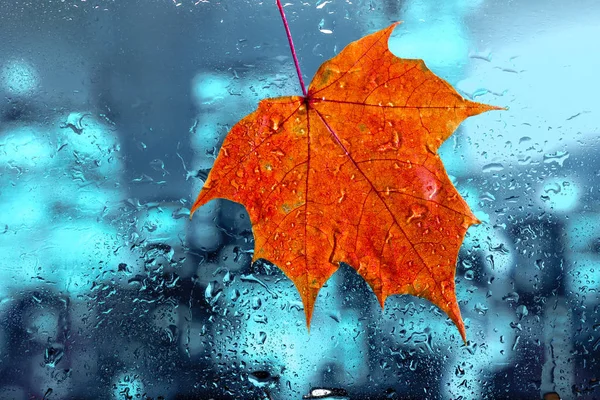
(111, 116)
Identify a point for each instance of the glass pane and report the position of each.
(111, 118)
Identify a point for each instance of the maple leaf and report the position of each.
(350, 173)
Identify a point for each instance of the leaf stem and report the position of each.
(292, 48)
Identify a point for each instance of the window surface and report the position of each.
(111, 117)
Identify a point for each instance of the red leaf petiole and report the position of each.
(289, 36)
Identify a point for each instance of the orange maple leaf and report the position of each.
(350, 173)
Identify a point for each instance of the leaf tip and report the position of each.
(459, 323)
(388, 31)
(463, 333)
(479, 108)
(197, 204)
(308, 311)
(496, 108)
(382, 298)
(309, 298)
(204, 197)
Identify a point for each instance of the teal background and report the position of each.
(111, 116)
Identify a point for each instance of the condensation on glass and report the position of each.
(112, 114)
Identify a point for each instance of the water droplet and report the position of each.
(511, 297)
(327, 393)
(487, 196)
(522, 312)
(431, 189)
(48, 393)
(212, 292)
(322, 28)
(558, 157)
(171, 333)
(256, 303)
(490, 259)
(552, 187)
(517, 339)
(262, 379)
(53, 354)
(261, 319)
(493, 167)
(480, 309)
(479, 92)
(416, 211)
(262, 337)
(228, 278)
(413, 365)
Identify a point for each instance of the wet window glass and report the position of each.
(112, 114)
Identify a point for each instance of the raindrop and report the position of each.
(511, 297)
(262, 379)
(493, 167)
(490, 259)
(262, 337)
(212, 292)
(275, 123)
(53, 354)
(558, 157)
(158, 165)
(171, 332)
(416, 211)
(522, 312)
(322, 28)
(48, 393)
(261, 319)
(413, 365)
(256, 303)
(539, 264)
(517, 339)
(485, 55)
(327, 393)
(480, 309)
(552, 188)
(227, 279)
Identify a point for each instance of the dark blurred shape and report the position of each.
(15, 110)
(393, 7)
